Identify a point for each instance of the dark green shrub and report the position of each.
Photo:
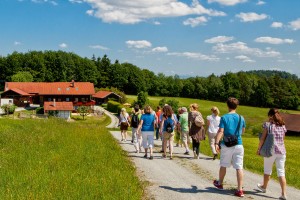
(114, 107)
(9, 108)
(40, 110)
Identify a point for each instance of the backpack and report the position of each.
(169, 126)
(199, 121)
(135, 121)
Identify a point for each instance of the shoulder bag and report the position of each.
(268, 145)
(232, 140)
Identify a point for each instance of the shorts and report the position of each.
(124, 126)
(279, 159)
(232, 156)
(148, 139)
(185, 136)
(168, 136)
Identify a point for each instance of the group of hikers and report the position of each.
(224, 133)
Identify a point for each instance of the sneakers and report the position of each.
(260, 187)
(283, 197)
(195, 154)
(151, 158)
(239, 193)
(187, 153)
(218, 185)
(215, 156)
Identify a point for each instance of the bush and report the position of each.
(40, 110)
(114, 107)
(9, 108)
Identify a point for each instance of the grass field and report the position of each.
(54, 159)
(254, 118)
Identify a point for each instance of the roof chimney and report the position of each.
(73, 83)
(54, 103)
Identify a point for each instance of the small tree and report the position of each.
(142, 99)
(9, 108)
(83, 111)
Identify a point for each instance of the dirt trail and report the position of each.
(187, 178)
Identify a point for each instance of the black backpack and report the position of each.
(169, 126)
(135, 120)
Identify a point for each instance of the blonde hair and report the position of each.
(123, 111)
(194, 106)
(215, 110)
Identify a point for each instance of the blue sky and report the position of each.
(184, 37)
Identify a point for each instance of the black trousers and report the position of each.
(196, 146)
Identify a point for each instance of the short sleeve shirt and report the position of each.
(214, 122)
(230, 122)
(148, 121)
(183, 120)
(279, 133)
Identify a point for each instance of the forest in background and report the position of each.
(259, 88)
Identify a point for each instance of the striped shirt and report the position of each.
(279, 133)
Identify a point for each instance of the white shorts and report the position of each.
(148, 139)
(280, 162)
(232, 156)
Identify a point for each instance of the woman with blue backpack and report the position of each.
(168, 124)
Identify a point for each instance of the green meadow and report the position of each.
(55, 159)
(254, 119)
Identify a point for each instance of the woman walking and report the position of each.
(213, 122)
(276, 127)
(194, 129)
(124, 123)
(147, 124)
(167, 128)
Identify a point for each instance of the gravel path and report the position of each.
(187, 178)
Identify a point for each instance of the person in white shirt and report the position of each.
(213, 122)
(124, 123)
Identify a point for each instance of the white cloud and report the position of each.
(299, 54)
(227, 2)
(244, 58)
(132, 12)
(160, 49)
(219, 39)
(63, 45)
(240, 47)
(272, 40)
(138, 44)
(260, 2)
(277, 25)
(90, 12)
(156, 23)
(251, 16)
(193, 22)
(194, 55)
(76, 1)
(98, 47)
(45, 1)
(295, 25)
(16, 43)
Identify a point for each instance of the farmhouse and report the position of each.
(292, 123)
(26, 93)
(103, 97)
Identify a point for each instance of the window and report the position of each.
(49, 99)
(76, 99)
(59, 100)
(67, 99)
(67, 89)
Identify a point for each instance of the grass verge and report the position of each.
(53, 159)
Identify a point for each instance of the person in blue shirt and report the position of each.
(231, 124)
(147, 125)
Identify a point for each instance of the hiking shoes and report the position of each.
(260, 187)
(215, 156)
(218, 185)
(239, 193)
(187, 153)
(151, 158)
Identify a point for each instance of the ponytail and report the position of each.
(274, 114)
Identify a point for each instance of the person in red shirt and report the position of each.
(157, 113)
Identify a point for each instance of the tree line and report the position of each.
(255, 88)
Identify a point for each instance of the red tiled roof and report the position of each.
(49, 105)
(102, 94)
(16, 90)
(54, 88)
(292, 121)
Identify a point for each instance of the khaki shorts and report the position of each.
(169, 136)
(185, 136)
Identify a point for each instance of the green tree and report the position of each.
(142, 99)
(22, 77)
(84, 111)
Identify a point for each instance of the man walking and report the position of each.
(231, 127)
